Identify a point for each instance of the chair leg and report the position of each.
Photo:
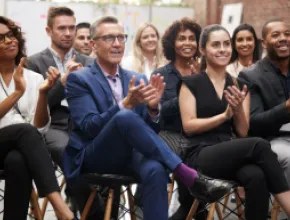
(109, 205)
(226, 202)
(35, 206)
(275, 210)
(239, 205)
(218, 211)
(211, 211)
(170, 190)
(88, 204)
(131, 203)
(192, 210)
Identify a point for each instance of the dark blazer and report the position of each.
(170, 114)
(39, 63)
(91, 104)
(268, 110)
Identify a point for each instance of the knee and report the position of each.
(262, 143)
(14, 162)
(125, 116)
(27, 130)
(254, 178)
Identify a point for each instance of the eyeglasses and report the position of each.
(111, 38)
(10, 35)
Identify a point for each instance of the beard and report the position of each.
(62, 46)
(272, 53)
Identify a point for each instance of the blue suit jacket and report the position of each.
(91, 106)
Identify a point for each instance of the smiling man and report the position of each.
(270, 101)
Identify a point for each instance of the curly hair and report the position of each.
(247, 27)
(171, 33)
(18, 35)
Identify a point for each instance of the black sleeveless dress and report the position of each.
(208, 104)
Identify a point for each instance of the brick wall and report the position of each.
(257, 12)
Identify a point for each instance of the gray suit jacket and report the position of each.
(39, 63)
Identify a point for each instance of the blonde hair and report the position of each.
(138, 58)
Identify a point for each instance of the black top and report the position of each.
(208, 104)
(170, 119)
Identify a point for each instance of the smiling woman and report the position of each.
(147, 53)
(24, 116)
(245, 49)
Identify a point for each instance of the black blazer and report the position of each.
(268, 110)
(39, 63)
(170, 114)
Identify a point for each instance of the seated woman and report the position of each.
(23, 103)
(245, 49)
(215, 117)
(146, 53)
(180, 46)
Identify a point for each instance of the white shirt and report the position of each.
(235, 68)
(127, 63)
(61, 65)
(26, 104)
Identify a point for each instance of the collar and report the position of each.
(67, 56)
(107, 75)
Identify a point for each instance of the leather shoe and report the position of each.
(208, 189)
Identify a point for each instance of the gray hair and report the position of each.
(102, 20)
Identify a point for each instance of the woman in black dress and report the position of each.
(215, 115)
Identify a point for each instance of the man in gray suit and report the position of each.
(60, 56)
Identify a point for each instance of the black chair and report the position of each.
(113, 182)
(33, 200)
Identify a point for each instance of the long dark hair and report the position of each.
(245, 27)
(18, 35)
(204, 39)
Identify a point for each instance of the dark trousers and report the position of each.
(24, 157)
(252, 163)
(128, 143)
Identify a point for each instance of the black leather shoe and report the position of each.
(208, 189)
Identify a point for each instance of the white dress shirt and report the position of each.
(26, 104)
(235, 68)
(61, 65)
(127, 63)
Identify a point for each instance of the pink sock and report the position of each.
(186, 174)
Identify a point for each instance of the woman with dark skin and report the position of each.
(24, 116)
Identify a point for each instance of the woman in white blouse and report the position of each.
(245, 49)
(24, 116)
(146, 54)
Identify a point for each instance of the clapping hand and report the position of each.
(20, 83)
(235, 97)
(51, 77)
(71, 66)
(158, 87)
(194, 66)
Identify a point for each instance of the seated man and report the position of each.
(114, 116)
(270, 102)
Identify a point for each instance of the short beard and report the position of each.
(61, 47)
(274, 56)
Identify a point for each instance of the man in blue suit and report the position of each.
(115, 117)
